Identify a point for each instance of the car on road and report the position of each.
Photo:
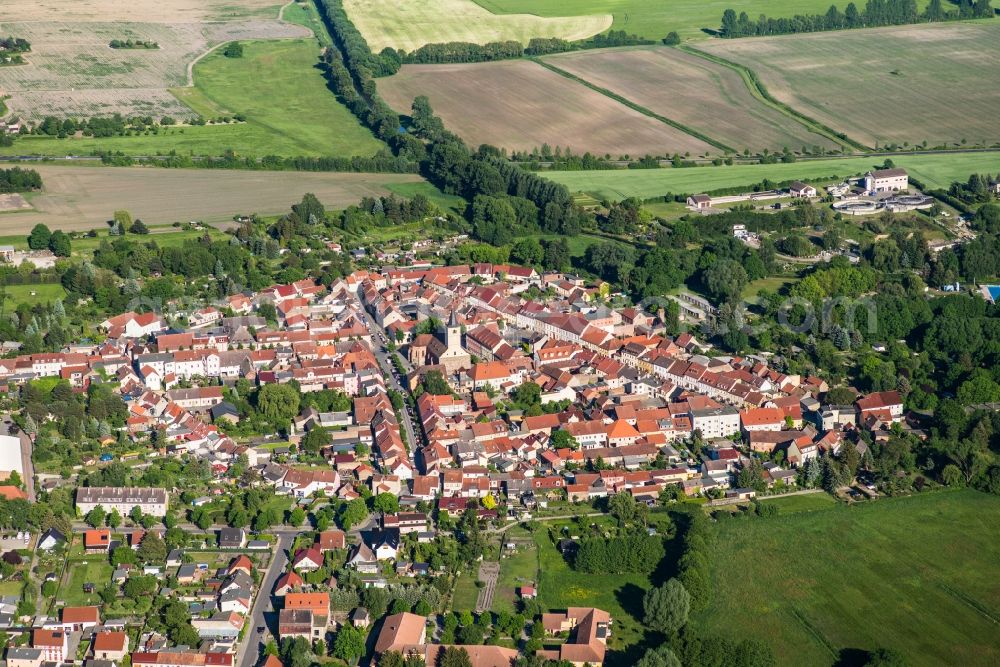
(260, 629)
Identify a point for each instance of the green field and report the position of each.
(804, 503)
(915, 574)
(937, 171)
(305, 14)
(288, 108)
(446, 203)
(32, 294)
(653, 19)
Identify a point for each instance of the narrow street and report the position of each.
(253, 642)
(381, 351)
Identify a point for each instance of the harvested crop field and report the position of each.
(158, 11)
(520, 105)
(78, 198)
(411, 24)
(937, 82)
(695, 92)
(13, 202)
(72, 71)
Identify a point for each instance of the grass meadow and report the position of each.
(32, 294)
(808, 502)
(934, 170)
(275, 85)
(916, 574)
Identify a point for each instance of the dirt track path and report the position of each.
(190, 67)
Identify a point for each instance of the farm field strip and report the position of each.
(935, 171)
(921, 565)
(81, 198)
(520, 105)
(635, 106)
(157, 11)
(697, 93)
(933, 82)
(653, 19)
(409, 25)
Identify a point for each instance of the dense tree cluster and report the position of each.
(382, 162)
(98, 126)
(16, 179)
(133, 44)
(629, 552)
(503, 189)
(695, 565)
(469, 52)
(14, 45)
(463, 52)
(977, 190)
(876, 13)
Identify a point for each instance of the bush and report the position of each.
(233, 50)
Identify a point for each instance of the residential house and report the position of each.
(110, 646)
(52, 643)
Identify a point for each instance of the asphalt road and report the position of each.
(250, 649)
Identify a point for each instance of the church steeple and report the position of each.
(454, 334)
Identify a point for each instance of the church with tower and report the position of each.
(441, 348)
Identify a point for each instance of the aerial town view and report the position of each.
(499, 333)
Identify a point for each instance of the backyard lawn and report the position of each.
(97, 571)
(518, 569)
(466, 593)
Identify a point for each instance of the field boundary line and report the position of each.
(636, 107)
(760, 92)
(811, 629)
(970, 601)
(281, 12)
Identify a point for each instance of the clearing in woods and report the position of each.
(520, 106)
(72, 71)
(934, 171)
(914, 574)
(695, 92)
(937, 83)
(81, 198)
(411, 24)
(309, 122)
(653, 19)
